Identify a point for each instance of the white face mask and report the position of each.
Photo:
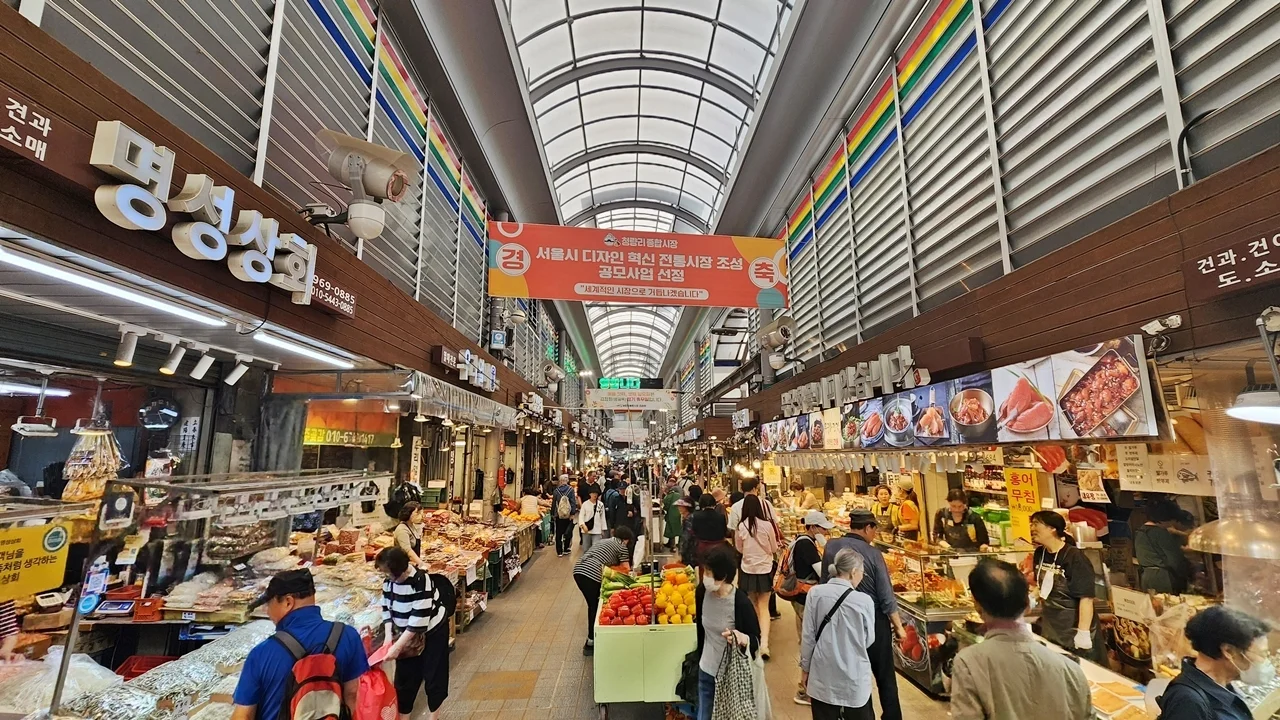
(821, 541)
(1258, 673)
(711, 584)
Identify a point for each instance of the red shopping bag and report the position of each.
(377, 698)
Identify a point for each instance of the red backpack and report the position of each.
(313, 690)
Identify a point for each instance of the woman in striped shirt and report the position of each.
(416, 626)
(589, 574)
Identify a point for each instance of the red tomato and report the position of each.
(628, 621)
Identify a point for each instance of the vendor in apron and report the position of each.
(907, 524)
(408, 533)
(1065, 580)
(885, 511)
(959, 527)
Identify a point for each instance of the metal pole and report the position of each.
(906, 193)
(993, 145)
(1168, 81)
(269, 93)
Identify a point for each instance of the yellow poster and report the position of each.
(32, 559)
(772, 473)
(1024, 489)
(1020, 524)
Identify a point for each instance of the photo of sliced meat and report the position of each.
(1024, 409)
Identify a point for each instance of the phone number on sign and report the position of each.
(331, 294)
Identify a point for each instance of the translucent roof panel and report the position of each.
(643, 107)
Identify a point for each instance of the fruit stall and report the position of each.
(643, 631)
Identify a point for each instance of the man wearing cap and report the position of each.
(806, 558)
(876, 583)
(291, 604)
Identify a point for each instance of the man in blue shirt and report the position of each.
(291, 604)
(876, 583)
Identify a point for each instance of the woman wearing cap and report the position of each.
(907, 525)
(1066, 583)
(806, 559)
(957, 526)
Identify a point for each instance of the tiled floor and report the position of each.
(523, 658)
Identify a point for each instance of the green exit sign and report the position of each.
(630, 383)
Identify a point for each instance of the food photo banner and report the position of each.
(552, 262)
(1094, 392)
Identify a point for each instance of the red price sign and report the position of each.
(1024, 489)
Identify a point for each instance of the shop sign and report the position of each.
(532, 402)
(1024, 489)
(741, 419)
(26, 128)
(1180, 474)
(861, 381)
(253, 247)
(552, 262)
(32, 559)
(445, 357)
(477, 372)
(1251, 262)
(415, 461)
(630, 383)
(1132, 605)
(329, 295)
(358, 429)
(630, 399)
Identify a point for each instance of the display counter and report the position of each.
(640, 663)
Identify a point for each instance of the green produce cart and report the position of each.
(640, 663)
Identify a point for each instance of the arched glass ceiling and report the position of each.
(643, 107)
(645, 99)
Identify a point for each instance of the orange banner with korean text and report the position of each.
(551, 262)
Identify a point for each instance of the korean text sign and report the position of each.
(551, 262)
(32, 559)
(1024, 489)
(1250, 262)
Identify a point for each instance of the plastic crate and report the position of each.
(135, 665)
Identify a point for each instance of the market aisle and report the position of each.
(523, 658)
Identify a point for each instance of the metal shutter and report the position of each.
(1227, 57)
(323, 82)
(837, 278)
(953, 208)
(1080, 116)
(471, 264)
(440, 224)
(879, 218)
(802, 266)
(201, 64)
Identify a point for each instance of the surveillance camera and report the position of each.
(552, 387)
(777, 361)
(366, 219)
(369, 170)
(1159, 325)
(519, 317)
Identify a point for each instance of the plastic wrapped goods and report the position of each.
(26, 687)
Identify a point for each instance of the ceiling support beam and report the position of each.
(685, 215)
(546, 87)
(668, 151)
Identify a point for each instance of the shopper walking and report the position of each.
(591, 519)
(408, 533)
(839, 628)
(1231, 646)
(757, 542)
(877, 585)
(588, 574)
(300, 631)
(709, 529)
(1011, 675)
(564, 506)
(725, 617)
(672, 522)
(415, 631)
(804, 560)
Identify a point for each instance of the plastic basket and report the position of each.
(135, 665)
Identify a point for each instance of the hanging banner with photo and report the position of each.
(553, 262)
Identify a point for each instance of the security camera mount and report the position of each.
(323, 215)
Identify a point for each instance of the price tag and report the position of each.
(238, 567)
(188, 616)
(471, 574)
(1024, 489)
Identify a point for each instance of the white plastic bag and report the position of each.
(30, 686)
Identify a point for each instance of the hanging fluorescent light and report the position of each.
(303, 350)
(106, 288)
(174, 359)
(7, 388)
(128, 346)
(238, 371)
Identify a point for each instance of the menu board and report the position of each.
(1097, 391)
(1132, 461)
(831, 435)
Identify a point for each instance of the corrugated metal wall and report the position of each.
(948, 190)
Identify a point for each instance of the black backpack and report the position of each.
(447, 592)
(401, 494)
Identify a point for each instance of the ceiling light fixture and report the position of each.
(174, 359)
(303, 350)
(9, 257)
(1260, 402)
(8, 388)
(128, 346)
(238, 371)
(420, 417)
(203, 364)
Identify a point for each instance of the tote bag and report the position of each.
(735, 686)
